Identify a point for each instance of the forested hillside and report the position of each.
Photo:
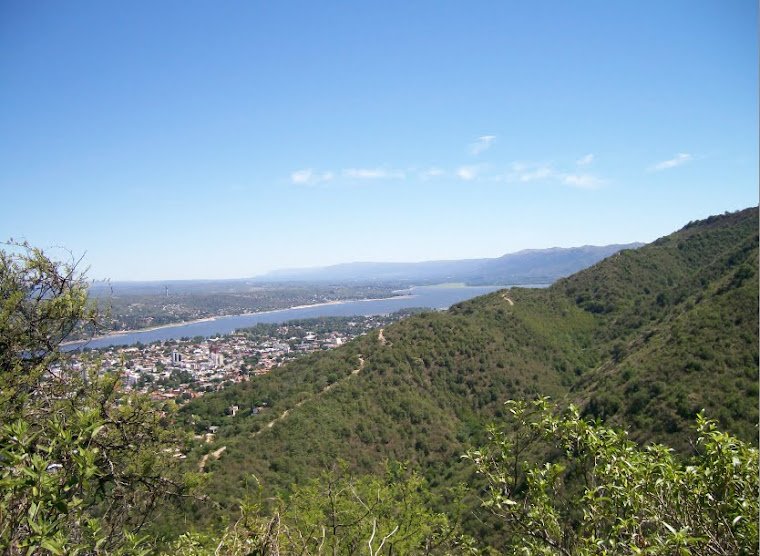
(678, 325)
(643, 339)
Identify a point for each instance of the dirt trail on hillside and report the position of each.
(215, 454)
(326, 389)
(507, 299)
(354, 372)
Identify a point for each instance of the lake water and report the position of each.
(432, 297)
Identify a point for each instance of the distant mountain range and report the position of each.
(527, 267)
(530, 266)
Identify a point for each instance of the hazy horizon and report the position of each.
(277, 271)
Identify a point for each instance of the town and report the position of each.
(184, 369)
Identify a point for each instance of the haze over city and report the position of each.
(185, 140)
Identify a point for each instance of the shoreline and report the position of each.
(211, 319)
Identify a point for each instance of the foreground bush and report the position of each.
(84, 466)
(603, 494)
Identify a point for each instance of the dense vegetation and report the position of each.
(644, 340)
(84, 467)
(677, 330)
(603, 494)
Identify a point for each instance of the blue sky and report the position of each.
(197, 139)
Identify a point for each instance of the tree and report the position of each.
(43, 302)
(83, 464)
(337, 514)
(600, 493)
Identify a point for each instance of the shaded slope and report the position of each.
(679, 325)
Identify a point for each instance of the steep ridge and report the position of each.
(679, 328)
(645, 338)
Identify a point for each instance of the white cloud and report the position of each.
(584, 181)
(301, 176)
(536, 174)
(528, 172)
(680, 158)
(373, 173)
(467, 173)
(482, 144)
(518, 172)
(308, 176)
(431, 173)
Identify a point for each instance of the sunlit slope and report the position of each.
(421, 393)
(645, 338)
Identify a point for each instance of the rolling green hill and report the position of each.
(644, 339)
